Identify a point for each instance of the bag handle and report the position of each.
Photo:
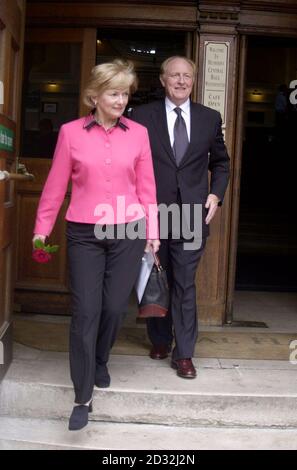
(157, 262)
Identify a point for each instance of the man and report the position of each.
(186, 141)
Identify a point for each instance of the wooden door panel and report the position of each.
(50, 277)
(34, 275)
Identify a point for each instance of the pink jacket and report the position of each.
(111, 173)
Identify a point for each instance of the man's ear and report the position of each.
(162, 80)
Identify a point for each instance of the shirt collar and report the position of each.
(185, 107)
(90, 122)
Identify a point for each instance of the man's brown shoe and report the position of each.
(184, 368)
(159, 352)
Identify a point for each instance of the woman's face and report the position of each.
(112, 103)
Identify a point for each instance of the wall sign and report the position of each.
(6, 139)
(215, 77)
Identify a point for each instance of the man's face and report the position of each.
(178, 81)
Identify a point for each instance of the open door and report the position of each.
(57, 63)
(12, 20)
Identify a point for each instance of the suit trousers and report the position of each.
(102, 276)
(181, 266)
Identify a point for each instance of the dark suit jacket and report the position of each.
(206, 151)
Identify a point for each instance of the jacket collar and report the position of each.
(90, 122)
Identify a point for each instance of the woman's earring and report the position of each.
(95, 102)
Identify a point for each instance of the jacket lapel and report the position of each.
(160, 122)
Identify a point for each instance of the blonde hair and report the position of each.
(166, 62)
(117, 74)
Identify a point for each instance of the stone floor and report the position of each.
(277, 309)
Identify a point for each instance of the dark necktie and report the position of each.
(181, 140)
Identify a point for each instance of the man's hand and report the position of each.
(212, 205)
(152, 245)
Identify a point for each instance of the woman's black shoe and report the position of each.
(102, 377)
(79, 416)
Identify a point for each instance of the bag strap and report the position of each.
(157, 262)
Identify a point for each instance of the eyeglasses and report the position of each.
(178, 76)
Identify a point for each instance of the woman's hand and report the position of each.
(152, 245)
(37, 236)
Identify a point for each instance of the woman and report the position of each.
(108, 159)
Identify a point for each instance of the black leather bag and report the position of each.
(155, 300)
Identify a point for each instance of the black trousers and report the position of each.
(102, 276)
(181, 266)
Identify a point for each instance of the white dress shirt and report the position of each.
(171, 117)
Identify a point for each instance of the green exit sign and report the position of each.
(6, 139)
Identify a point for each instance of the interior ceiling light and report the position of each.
(142, 51)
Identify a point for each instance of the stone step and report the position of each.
(225, 392)
(41, 434)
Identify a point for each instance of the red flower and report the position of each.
(41, 256)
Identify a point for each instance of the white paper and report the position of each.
(144, 274)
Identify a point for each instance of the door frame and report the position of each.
(12, 27)
(235, 179)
